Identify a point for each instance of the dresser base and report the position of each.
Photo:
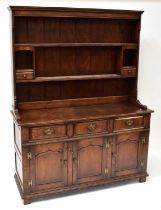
(27, 198)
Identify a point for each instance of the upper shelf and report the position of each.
(29, 46)
(75, 77)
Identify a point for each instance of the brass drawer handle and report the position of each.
(129, 71)
(49, 131)
(24, 76)
(92, 127)
(129, 122)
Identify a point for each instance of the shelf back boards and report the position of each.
(65, 42)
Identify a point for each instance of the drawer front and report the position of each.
(128, 71)
(48, 132)
(128, 123)
(90, 127)
(24, 75)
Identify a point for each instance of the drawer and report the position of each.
(48, 132)
(24, 74)
(90, 127)
(128, 71)
(128, 123)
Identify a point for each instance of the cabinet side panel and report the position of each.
(17, 137)
(18, 166)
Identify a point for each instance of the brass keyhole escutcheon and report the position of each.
(65, 161)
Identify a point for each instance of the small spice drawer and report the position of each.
(91, 127)
(24, 74)
(48, 132)
(128, 71)
(128, 123)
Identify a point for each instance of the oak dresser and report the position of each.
(77, 121)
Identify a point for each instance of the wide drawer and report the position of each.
(90, 127)
(128, 123)
(48, 132)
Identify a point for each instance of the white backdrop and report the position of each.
(134, 195)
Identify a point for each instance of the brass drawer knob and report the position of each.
(129, 122)
(24, 76)
(129, 71)
(92, 127)
(49, 131)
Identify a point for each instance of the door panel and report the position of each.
(127, 154)
(89, 160)
(48, 166)
(53, 172)
(85, 166)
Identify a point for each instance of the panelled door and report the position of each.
(90, 160)
(48, 166)
(127, 154)
(81, 161)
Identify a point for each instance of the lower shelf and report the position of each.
(76, 188)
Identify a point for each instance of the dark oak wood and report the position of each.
(70, 103)
(72, 114)
(48, 166)
(89, 160)
(77, 120)
(129, 123)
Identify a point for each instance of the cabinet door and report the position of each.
(89, 160)
(48, 166)
(127, 154)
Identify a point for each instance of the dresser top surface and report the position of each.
(71, 114)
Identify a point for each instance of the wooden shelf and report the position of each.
(78, 77)
(30, 46)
